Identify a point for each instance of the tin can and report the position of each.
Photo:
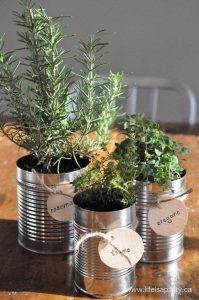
(157, 248)
(38, 231)
(92, 276)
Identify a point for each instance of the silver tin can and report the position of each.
(92, 276)
(38, 231)
(157, 248)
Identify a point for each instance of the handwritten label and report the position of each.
(168, 218)
(115, 252)
(60, 206)
(127, 251)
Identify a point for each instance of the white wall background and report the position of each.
(152, 37)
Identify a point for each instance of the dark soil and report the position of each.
(92, 200)
(67, 164)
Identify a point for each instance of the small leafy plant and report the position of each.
(108, 183)
(53, 110)
(157, 154)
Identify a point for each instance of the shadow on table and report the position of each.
(21, 270)
(2, 198)
(191, 243)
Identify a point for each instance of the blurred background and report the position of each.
(150, 37)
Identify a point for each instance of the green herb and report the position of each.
(108, 183)
(157, 154)
(53, 116)
(95, 101)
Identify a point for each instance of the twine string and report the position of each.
(53, 188)
(159, 200)
(108, 239)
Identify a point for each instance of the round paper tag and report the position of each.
(168, 218)
(60, 207)
(127, 251)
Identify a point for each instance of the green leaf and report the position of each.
(157, 152)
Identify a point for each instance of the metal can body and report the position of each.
(157, 248)
(92, 276)
(38, 231)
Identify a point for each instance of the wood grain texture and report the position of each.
(28, 276)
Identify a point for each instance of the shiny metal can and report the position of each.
(157, 248)
(38, 231)
(92, 276)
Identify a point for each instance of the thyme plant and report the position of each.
(52, 116)
(108, 183)
(157, 157)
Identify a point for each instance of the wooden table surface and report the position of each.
(28, 276)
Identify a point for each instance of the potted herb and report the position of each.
(160, 174)
(105, 201)
(58, 120)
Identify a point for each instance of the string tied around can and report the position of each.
(159, 200)
(107, 238)
(52, 188)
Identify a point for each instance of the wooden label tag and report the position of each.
(61, 207)
(128, 248)
(168, 218)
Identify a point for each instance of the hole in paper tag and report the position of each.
(60, 207)
(128, 248)
(168, 218)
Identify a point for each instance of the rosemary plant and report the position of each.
(94, 105)
(157, 157)
(52, 116)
